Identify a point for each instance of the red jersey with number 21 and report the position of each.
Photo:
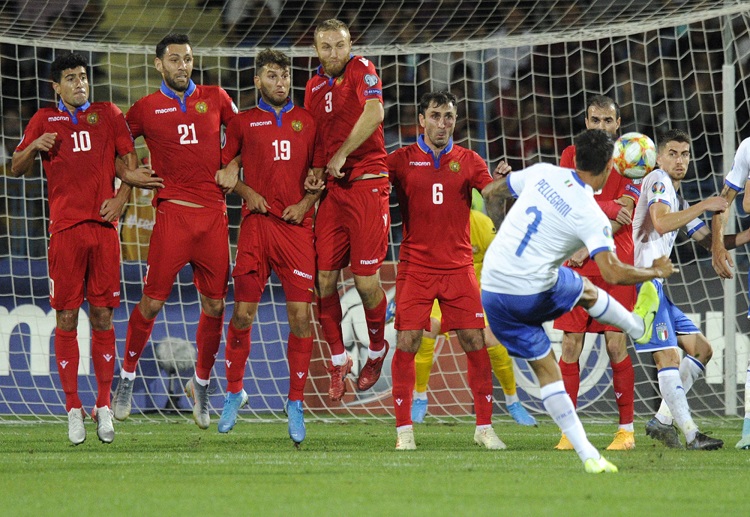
(184, 140)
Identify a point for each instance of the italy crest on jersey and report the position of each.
(297, 125)
(454, 166)
(661, 331)
(92, 118)
(201, 107)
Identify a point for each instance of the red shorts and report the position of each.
(188, 235)
(267, 242)
(457, 293)
(87, 253)
(352, 223)
(578, 320)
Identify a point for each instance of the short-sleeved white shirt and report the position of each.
(555, 214)
(657, 187)
(738, 175)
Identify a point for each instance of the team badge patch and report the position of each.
(658, 188)
(371, 80)
(454, 166)
(201, 107)
(661, 331)
(92, 118)
(297, 125)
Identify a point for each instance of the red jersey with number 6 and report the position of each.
(184, 139)
(80, 168)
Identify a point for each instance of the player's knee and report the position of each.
(409, 341)
(299, 325)
(571, 347)
(150, 307)
(212, 307)
(703, 350)
(101, 318)
(471, 339)
(67, 320)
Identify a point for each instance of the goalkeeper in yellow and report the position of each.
(482, 233)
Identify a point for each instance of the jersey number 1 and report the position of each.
(531, 229)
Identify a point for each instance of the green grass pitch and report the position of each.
(351, 468)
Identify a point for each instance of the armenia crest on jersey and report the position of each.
(454, 166)
(92, 118)
(297, 125)
(201, 107)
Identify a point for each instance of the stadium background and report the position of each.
(521, 70)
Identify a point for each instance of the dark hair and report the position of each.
(65, 62)
(171, 39)
(438, 98)
(594, 149)
(673, 135)
(271, 57)
(603, 102)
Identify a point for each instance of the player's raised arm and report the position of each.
(720, 258)
(495, 194)
(24, 160)
(616, 272)
(370, 119)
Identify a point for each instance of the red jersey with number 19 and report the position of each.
(434, 194)
(184, 139)
(337, 103)
(80, 168)
(277, 151)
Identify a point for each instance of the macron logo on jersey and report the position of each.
(304, 275)
(264, 123)
(161, 111)
(58, 118)
(421, 164)
(318, 87)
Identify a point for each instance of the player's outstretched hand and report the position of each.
(227, 177)
(664, 267)
(722, 262)
(624, 216)
(715, 204)
(502, 170)
(111, 209)
(142, 177)
(45, 142)
(334, 167)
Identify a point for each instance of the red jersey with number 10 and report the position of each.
(184, 140)
(337, 103)
(80, 168)
(616, 187)
(434, 195)
(277, 151)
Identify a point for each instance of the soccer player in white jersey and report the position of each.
(735, 181)
(553, 216)
(659, 214)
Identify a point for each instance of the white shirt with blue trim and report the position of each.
(555, 214)
(738, 175)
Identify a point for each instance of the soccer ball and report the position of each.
(634, 155)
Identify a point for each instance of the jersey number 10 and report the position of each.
(81, 141)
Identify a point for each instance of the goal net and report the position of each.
(522, 71)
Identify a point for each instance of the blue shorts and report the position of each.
(516, 320)
(668, 323)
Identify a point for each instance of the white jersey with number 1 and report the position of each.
(554, 216)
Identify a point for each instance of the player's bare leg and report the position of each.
(299, 352)
(374, 303)
(329, 316)
(560, 408)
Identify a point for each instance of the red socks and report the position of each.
(375, 319)
(208, 339)
(480, 382)
(68, 357)
(623, 381)
(403, 376)
(103, 357)
(139, 330)
(571, 375)
(299, 352)
(330, 316)
(236, 353)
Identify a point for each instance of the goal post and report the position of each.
(522, 72)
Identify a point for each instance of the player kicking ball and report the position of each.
(525, 285)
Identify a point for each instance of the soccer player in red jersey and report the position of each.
(345, 97)
(433, 179)
(79, 142)
(181, 123)
(276, 143)
(617, 200)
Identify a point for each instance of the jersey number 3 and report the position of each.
(531, 229)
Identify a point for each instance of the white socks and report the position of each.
(674, 395)
(690, 370)
(609, 311)
(560, 408)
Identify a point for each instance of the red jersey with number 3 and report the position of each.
(337, 103)
(277, 151)
(184, 139)
(434, 194)
(80, 168)
(616, 187)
